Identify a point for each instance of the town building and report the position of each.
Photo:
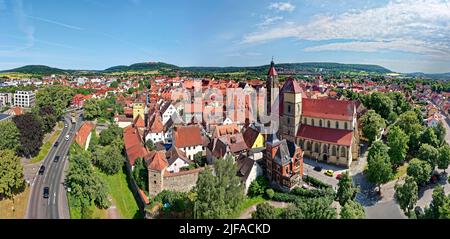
(24, 99)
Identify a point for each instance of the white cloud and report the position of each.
(282, 6)
(270, 20)
(417, 26)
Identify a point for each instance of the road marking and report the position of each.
(54, 198)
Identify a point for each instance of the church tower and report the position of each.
(291, 109)
(272, 83)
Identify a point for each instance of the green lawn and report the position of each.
(401, 171)
(122, 195)
(46, 147)
(248, 202)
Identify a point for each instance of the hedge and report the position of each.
(316, 182)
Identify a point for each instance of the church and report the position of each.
(324, 129)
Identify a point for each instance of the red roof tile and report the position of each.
(328, 109)
(83, 134)
(187, 136)
(326, 135)
(158, 162)
(133, 145)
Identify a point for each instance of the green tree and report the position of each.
(11, 171)
(314, 208)
(258, 186)
(270, 193)
(264, 211)
(379, 170)
(381, 103)
(109, 159)
(92, 109)
(419, 170)
(428, 137)
(414, 139)
(440, 132)
(199, 160)
(439, 199)
(430, 154)
(48, 118)
(398, 145)
(219, 194)
(107, 136)
(140, 174)
(352, 210)
(444, 157)
(150, 145)
(407, 195)
(114, 84)
(346, 191)
(31, 134)
(57, 97)
(10, 136)
(373, 124)
(407, 120)
(379, 148)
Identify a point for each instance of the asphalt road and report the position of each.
(56, 206)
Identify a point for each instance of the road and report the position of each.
(56, 206)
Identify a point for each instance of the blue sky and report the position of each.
(403, 35)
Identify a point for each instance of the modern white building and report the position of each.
(24, 99)
(6, 99)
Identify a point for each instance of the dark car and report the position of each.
(42, 170)
(56, 159)
(318, 168)
(46, 192)
(56, 144)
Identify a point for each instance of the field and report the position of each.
(20, 206)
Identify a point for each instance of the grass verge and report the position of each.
(122, 194)
(46, 147)
(401, 171)
(248, 202)
(20, 206)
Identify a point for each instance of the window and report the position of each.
(328, 124)
(337, 125)
(312, 122)
(320, 123)
(289, 109)
(346, 125)
(154, 182)
(304, 120)
(288, 121)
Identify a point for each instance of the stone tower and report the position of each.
(291, 109)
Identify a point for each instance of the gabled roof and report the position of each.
(155, 123)
(187, 136)
(158, 162)
(328, 109)
(133, 144)
(245, 166)
(250, 136)
(291, 86)
(174, 153)
(221, 130)
(326, 135)
(83, 134)
(139, 122)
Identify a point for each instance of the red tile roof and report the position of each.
(328, 109)
(155, 123)
(326, 135)
(83, 134)
(158, 162)
(133, 145)
(17, 111)
(139, 122)
(187, 136)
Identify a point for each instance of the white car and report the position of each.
(67, 137)
(65, 126)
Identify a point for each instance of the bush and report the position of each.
(315, 182)
(258, 187)
(284, 197)
(314, 193)
(270, 193)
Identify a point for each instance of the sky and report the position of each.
(402, 35)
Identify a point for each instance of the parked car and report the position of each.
(67, 137)
(56, 144)
(42, 170)
(56, 159)
(46, 192)
(329, 173)
(339, 176)
(305, 186)
(318, 168)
